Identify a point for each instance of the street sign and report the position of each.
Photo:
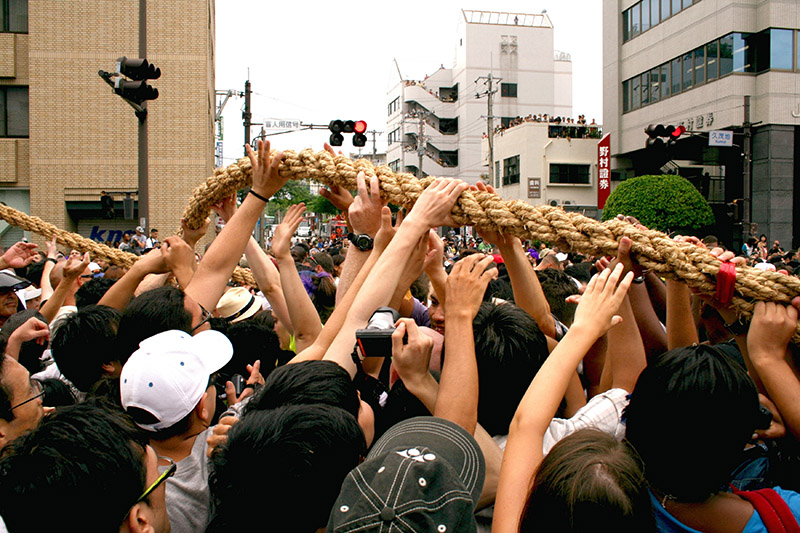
(281, 124)
(603, 170)
(720, 138)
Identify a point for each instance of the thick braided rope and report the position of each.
(96, 250)
(569, 231)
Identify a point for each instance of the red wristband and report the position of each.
(726, 282)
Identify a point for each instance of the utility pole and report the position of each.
(374, 148)
(489, 81)
(143, 181)
(421, 141)
(746, 182)
(246, 115)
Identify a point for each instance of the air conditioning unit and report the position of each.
(558, 203)
(555, 203)
(566, 202)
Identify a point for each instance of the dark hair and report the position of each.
(421, 287)
(557, 286)
(498, 288)
(57, 393)
(324, 295)
(81, 459)
(307, 382)
(34, 272)
(589, 479)
(92, 291)
(30, 353)
(580, 271)
(251, 340)
(325, 261)
(289, 461)
(83, 342)
(150, 313)
(5, 392)
(697, 391)
(510, 348)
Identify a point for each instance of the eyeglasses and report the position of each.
(206, 317)
(168, 473)
(36, 389)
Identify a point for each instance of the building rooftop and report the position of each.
(539, 20)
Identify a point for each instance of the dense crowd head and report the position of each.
(502, 384)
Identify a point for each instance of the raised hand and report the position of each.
(412, 359)
(365, 211)
(226, 208)
(601, 300)
(771, 329)
(435, 203)
(52, 249)
(255, 379)
(281, 241)
(466, 285)
(177, 253)
(192, 236)
(18, 256)
(386, 230)
(266, 178)
(74, 267)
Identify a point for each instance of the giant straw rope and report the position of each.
(570, 231)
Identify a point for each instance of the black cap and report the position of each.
(10, 281)
(423, 474)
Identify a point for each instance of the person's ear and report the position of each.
(201, 410)
(5, 431)
(139, 519)
(112, 368)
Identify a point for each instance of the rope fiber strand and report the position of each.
(571, 231)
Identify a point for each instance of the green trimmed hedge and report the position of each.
(665, 203)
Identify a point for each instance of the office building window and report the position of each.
(687, 71)
(636, 93)
(570, 174)
(780, 49)
(700, 65)
(726, 55)
(13, 111)
(394, 105)
(676, 75)
(647, 14)
(511, 170)
(645, 88)
(14, 16)
(394, 136)
(665, 80)
(626, 96)
(712, 63)
(743, 53)
(395, 165)
(655, 84)
(508, 89)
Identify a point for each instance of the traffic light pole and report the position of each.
(143, 177)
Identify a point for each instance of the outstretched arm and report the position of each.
(594, 316)
(305, 320)
(217, 264)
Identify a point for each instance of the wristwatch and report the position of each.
(362, 241)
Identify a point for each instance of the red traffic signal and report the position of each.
(656, 131)
(337, 127)
(135, 91)
(677, 132)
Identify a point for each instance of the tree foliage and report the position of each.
(321, 205)
(665, 203)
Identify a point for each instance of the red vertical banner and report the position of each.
(603, 170)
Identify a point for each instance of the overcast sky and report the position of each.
(315, 61)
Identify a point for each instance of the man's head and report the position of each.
(436, 311)
(698, 391)
(139, 230)
(154, 233)
(92, 291)
(557, 286)
(9, 283)
(166, 385)
(20, 401)
(289, 461)
(158, 310)
(82, 462)
(510, 348)
(83, 345)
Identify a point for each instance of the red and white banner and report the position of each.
(603, 170)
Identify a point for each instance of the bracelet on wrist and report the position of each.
(52, 260)
(639, 279)
(254, 193)
(738, 326)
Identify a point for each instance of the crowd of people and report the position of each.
(559, 127)
(394, 380)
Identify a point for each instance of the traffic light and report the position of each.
(356, 127)
(137, 69)
(655, 132)
(359, 139)
(736, 210)
(135, 91)
(336, 127)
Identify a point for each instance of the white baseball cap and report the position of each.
(168, 375)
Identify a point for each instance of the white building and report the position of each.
(440, 120)
(548, 164)
(693, 62)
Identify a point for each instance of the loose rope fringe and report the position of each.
(653, 250)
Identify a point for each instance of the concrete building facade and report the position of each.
(538, 164)
(65, 137)
(693, 62)
(437, 123)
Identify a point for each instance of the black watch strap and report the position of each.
(362, 241)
